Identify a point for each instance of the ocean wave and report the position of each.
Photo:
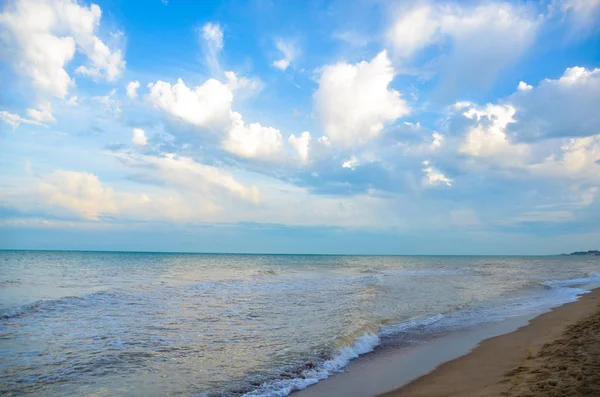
(574, 282)
(47, 305)
(439, 272)
(10, 283)
(282, 387)
(266, 273)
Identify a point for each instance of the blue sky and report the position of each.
(412, 127)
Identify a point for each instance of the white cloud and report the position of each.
(212, 36)
(301, 144)
(72, 101)
(15, 120)
(438, 139)
(578, 159)
(44, 114)
(354, 102)
(105, 64)
(207, 105)
(465, 33)
(487, 137)
(83, 195)
(132, 88)
(212, 32)
(184, 191)
(243, 86)
(559, 108)
(583, 14)
(351, 163)
(525, 133)
(188, 192)
(523, 86)
(434, 177)
(254, 140)
(109, 102)
(80, 193)
(289, 52)
(139, 137)
(414, 30)
(353, 38)
(186, 175)
(324, 141)
(40, 49)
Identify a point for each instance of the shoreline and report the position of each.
(391, 371)
(511, 361)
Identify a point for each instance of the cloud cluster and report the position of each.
(354, 102)
(356, 159)
(563, 107)
(550, 131)
(209, 107)
(43, 37)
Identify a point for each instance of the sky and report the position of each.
(365, 127)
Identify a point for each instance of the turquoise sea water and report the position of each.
(105, 324)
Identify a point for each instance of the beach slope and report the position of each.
(556, 354)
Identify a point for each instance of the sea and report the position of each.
(172, 324)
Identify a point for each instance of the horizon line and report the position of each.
(259, 253)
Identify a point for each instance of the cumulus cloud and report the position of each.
(548, 132)
(289, 52)
(354, 102)
(577, 159)
(209, 106)
(43, 37)
(254, 140)
(486, 136)
(139, 137)
(301, 144)
(565, 107)
(523, 86)
(526, 128)
(132, 88)
(464, 33)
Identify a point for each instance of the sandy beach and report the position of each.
(556, 354)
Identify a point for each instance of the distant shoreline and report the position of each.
(583, 253)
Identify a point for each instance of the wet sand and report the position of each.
(556, 354)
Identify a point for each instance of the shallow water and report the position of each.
(79, 323)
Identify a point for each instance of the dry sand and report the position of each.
(556, 354)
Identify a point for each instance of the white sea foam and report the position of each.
(592, 279)
(282, 387)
